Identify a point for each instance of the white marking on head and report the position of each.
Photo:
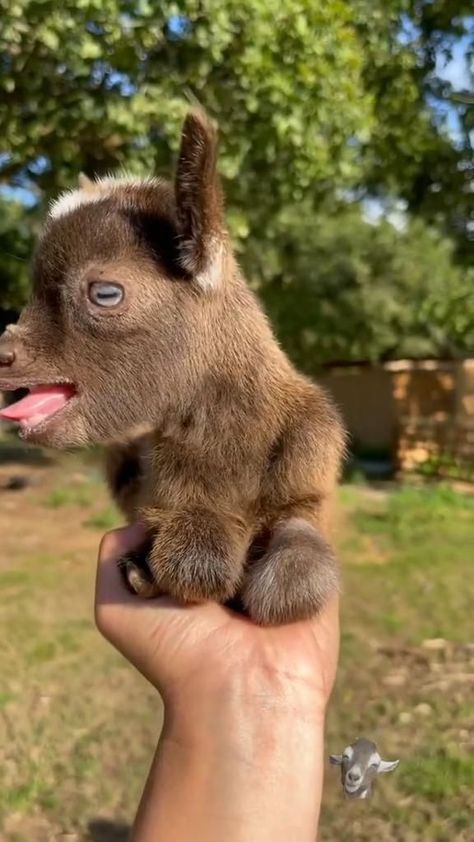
(374, 759)
(210, 277)
(348, 753)
(94, 191)
(353, 778)
(70, 200)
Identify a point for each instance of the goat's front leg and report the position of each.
(193, 554)
(295, 576)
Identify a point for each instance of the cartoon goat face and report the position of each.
(360, 763)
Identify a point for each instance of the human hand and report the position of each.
(202, 649)
(241, 752)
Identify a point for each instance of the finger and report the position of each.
(133, 625)
(114, 603)
(118, 542)
(113, 547)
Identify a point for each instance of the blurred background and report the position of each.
(346, 155)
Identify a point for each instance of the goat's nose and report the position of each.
(7, 356)
(353, 776)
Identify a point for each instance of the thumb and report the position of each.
(129, 623)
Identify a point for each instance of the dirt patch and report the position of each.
(31, 521)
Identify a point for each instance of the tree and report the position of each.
(339, 288)
(317, 102)
(97, 84)
(312, 97)
(15, 250)
(411, 152)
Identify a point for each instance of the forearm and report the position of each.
(254, 772)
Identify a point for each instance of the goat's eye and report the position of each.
(105, 294)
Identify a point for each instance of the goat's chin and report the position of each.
(67, 428)
(58, 435)
(84, 423)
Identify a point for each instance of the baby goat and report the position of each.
(142, 335)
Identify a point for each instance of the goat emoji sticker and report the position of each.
(360, 764)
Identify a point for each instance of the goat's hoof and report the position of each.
(137, 577)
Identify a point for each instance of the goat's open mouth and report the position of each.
(33, 411)
(351, 788)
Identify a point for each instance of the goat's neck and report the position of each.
(238, 382)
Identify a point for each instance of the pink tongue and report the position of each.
(41, 400)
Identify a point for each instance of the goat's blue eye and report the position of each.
(105, 294)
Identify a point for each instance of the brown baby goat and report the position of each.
(142, 335)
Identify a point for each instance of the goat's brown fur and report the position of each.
(227, 453)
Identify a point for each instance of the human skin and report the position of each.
(240, 756)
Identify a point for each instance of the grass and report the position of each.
(81, 494)
(105, 519)
(408, 579)
(73, 751)
(439, 776)
(415, 535)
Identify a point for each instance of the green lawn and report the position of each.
(77, 725)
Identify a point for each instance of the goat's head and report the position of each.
(125, 278)
(360, 763)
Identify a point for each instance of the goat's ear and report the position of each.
(335, 759)
(199, 204)
(387, 766)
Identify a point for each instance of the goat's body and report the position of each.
(143, 331)
(275, 467)
(256, 443)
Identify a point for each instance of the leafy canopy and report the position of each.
(318, 102)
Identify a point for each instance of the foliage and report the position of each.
(15, 252)
(316, 101)
(410, 151)
(339, 288)
(285, 83)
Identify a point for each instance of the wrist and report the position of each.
(259, 764)
(248, 709)
(241, 752)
